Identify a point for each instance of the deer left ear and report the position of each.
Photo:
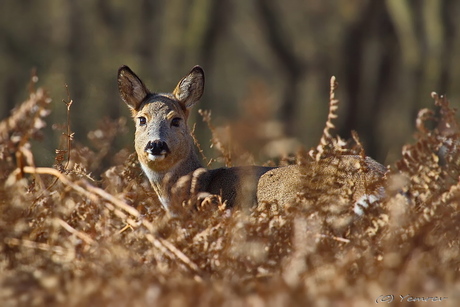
(190, 89)
(132, 89)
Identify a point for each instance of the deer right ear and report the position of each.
(190, 89)
(132, 89)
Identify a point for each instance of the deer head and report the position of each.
(162, 139)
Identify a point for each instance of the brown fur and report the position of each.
(177, 172)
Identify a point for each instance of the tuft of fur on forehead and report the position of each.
(162, 102)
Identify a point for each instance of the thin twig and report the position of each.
(72, 230)
(169, 249)
(34, 245)
(127, 226)
(197, 144)
(117, 202)
(69, 134)
(93, 195)
(318, 235)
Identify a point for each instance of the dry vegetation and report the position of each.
(69, 239)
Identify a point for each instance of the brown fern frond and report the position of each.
(216, 142)
(328, 145)
(326, 138)
(68, 135)
(422, 117)
(448, 123)
(197, 144)
(25, 123)
(360, 146)
(431, 168)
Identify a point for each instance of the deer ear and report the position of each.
(132, 89)
(190, 89)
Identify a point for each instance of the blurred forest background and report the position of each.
(264, 60)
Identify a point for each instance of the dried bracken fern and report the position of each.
(328, 144)
(431, 168)
(340, 182)
(25, 123)
(108, 242)
(216, 143)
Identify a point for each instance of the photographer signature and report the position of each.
(389, 298)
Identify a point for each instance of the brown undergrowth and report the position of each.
(68, 238)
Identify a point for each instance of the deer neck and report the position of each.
(162, 182)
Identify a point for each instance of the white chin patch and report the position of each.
(156, 157)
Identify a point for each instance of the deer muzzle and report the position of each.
(157, 150)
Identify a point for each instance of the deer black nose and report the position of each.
(157, 148)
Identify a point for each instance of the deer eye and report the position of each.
(142, 120)
(176, 121)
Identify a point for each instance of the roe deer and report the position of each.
(167, 155)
